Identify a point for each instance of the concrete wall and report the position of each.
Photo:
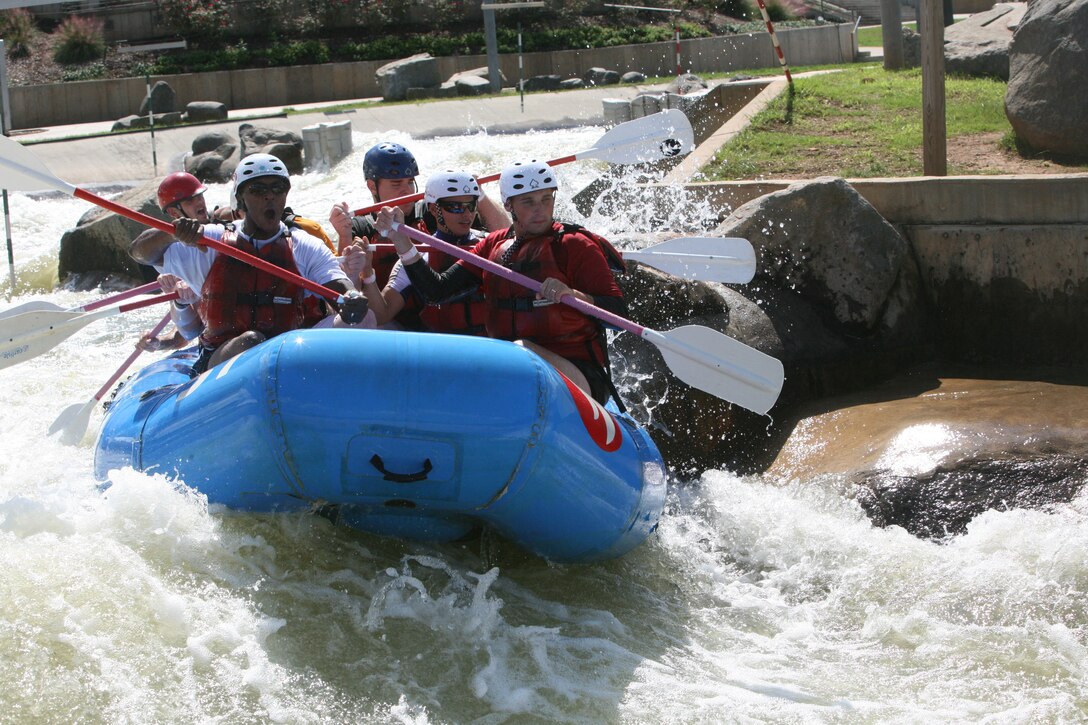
(84, 101)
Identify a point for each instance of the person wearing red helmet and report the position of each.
(180, 195)
(565, 258)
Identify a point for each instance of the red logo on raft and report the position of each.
(599, 423)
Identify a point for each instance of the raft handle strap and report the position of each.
(377, 462)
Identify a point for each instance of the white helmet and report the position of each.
(450, 183)
(257, 165)
(521, 177)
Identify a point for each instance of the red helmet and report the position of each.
(179, 186)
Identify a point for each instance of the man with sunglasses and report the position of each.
(390, 172)
(565, 258)
(452, 199)
(242, 306)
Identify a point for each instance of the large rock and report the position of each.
(204, 111)
(98, 245)
(979, 44)
(418, 71)
(837, 299)
(822, 240)
(162, 99)
(601, 77)
(544, 83)
(214, 157)
(284, 145)
(1048, 72)
(470, 85)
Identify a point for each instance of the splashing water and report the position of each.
(757, 601)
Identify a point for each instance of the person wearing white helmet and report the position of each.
(243, 306)
(565, 258)
(452, 198)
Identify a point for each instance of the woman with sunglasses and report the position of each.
(452, 199)
(565, 258)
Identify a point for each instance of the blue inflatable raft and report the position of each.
(419, 436)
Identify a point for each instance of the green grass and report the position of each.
(860, 122)
(873, 35)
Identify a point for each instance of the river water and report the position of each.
(759, 599)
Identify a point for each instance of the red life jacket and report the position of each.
(466, 315)
(512, 314)
(238, 297)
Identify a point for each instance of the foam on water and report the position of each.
(758, 600)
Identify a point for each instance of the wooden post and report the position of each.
(934, 139)
(891, 28)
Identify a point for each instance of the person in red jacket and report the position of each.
(452, 198)
(565, 258)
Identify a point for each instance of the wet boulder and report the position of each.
(98, 245)
(633, 76)
(214, 157)
(1048, 72)
(284, 145)
(837, 298)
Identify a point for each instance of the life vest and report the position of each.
(514, 313)
(309, 226)
(238, 297)
(465, 315)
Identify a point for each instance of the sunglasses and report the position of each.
(457, 207)
(275, 188)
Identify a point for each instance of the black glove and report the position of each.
(353, 307)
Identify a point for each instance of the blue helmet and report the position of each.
(389, 160)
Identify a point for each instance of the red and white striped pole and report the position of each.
(774, 39)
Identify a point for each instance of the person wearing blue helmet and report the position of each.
(390, 172)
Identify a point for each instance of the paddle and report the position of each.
(23, 171)
(728, 260)
(73, 420)
(32, 333)
(650, 138)
(701, 357)
(39, 305)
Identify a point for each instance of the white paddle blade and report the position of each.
(72, 422)
(33, 306)
(730, 260)
(30, 334)
(719, 365)
(21, 170)
(658, 136)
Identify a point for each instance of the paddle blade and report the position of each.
(72, 422)
(30, 334)
(719, 365)
(21, 170)
(32, 306)
(728, 260)
(650, 138)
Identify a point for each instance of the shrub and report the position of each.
(79, 40)
(17, 29)
(88, 72)
(200, 21)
